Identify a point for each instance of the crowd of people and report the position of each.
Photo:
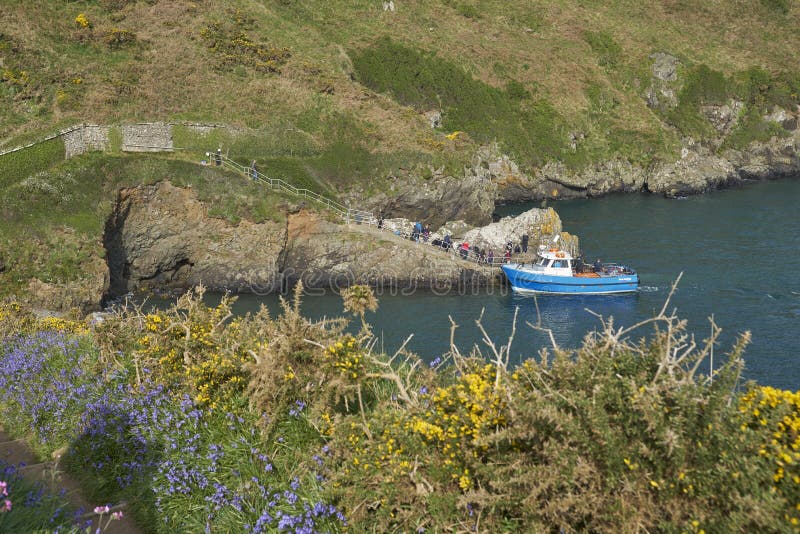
(422, 234)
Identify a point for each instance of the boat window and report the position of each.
(541, 261)
(558, 264)
(546, 263)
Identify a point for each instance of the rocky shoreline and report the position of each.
(161, 237)
(496, 179)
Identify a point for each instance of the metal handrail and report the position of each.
(347, 213)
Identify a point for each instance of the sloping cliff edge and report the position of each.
(161, 236)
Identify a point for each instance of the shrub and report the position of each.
(82, 21)
(232, 46)
(753, 127)
(194, 347)
(117, 38)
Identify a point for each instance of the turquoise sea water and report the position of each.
(738, 250)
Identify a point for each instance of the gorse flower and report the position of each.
(82, 21)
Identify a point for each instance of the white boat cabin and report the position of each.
(554, 261)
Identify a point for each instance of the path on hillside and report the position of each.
(349, 215)
(16, 452)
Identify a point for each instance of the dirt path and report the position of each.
(16, 451)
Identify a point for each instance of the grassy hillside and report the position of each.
(355, 79)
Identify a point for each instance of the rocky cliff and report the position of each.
(698, 169)
(161, 236)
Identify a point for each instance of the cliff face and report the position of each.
(161, 235)
(470, 198)
(699, 169)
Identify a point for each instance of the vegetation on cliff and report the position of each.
(202, 420)
(53, 220)
(350, 78)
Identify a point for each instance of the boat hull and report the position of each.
(528, 281)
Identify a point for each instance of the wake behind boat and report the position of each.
(556, 271)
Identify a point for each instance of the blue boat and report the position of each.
(556, 271)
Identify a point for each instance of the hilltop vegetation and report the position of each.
(355, 78)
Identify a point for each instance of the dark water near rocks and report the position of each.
(739, 250)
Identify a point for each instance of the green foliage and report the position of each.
(614, 436)
(608, 51)
(467, 10)
(517, 91)
(758, 88)
(753, 127)
(702, 86)
(423, 80)
(23, 163)
(232, 46)
(705, 86)
(779, 6)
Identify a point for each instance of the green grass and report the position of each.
(528, 129)
(22, 163)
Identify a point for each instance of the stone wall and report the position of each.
(84, 139)
(147, 137)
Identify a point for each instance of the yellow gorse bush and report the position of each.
(192, 352)
(777, 412)
(347, 357)
(460, 415)
(82, 21)
(60, 324)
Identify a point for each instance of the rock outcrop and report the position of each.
(695, 172)
(438, 200)
(325, 254)
(698, 169)
(540, 225)
(161, 235)
(84, 294)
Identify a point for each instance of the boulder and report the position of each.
(541, 226)
(724, 118)
(665, 66)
